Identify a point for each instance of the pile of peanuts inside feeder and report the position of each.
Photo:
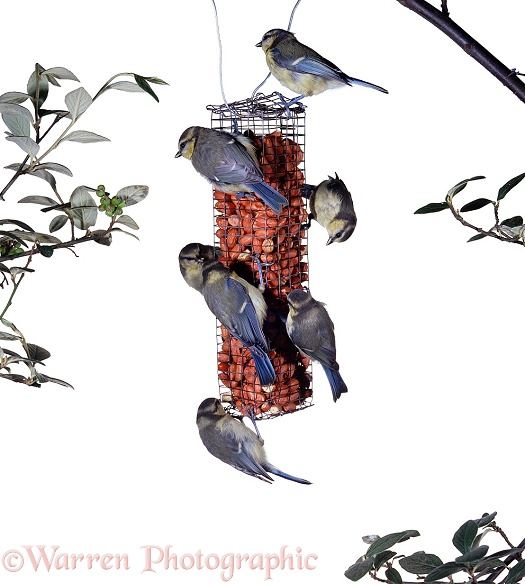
(245, 227)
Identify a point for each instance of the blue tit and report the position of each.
(191, 258)
(302, 69)
(331, 205)
(312, 331)
(229, 162)
(236, 303)
(229, 440)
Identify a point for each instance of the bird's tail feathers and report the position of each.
(263, 365)
(337, 385)
(270, 196)
(353, 80)
(270, 468)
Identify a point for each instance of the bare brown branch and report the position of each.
(442, 20)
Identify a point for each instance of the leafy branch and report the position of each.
(504, 566)
(511, 230)
(26, 130)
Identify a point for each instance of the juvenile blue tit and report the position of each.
(312, 331)
(331, 205)
(302, 69)
(229, 440)
(229, 162)
(236, 303)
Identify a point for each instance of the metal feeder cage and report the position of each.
(256, 242)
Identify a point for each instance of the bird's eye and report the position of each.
(182, 145)
(338, 234)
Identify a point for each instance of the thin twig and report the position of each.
(441, 20)
(66, 244)
(479, 229)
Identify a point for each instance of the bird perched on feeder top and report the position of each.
(229, 440)
(302, 69)
(229, 162)
(236, 303)
(312, 331)
(331, 205)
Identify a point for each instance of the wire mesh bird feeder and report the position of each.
(268, 249)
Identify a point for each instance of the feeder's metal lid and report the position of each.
(263, 106)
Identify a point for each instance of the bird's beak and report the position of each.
(259, 44)
(330, 240)
(179, 154)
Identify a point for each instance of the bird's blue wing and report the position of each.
(309, 63)
(236, 165)
(239, 457)
(315, 338)
(234, 308)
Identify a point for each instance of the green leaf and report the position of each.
(15, 236)
(16, 110)
(515, 221)
(38, 200)
(46, 251)
(487, 518)
(28, 145)
(431, 208)
(461, 185)
(493, 560)
(17, 125)
(60, 73)
(125, 86)
(84, 137)
(387, 541)
(420, 563)
(464, 536)
(43, 174)
(145, 86)
(393, 575)
(46, 378)
(510, 185)
(443, 571)
(36, 236)
(127, 221)
(126, 232)
(504, 553)
(16, 222)
(84, 210)
(102, 237)
(473, 555)
(476, 237)
(475, 205)
(489, 564)
(8, 337)
(13, 97)
(55, 167)
(43, 86)
(383, 557)
(156, 80)
(516, 573)
(13, 377)
(17, 270)
(133, 194)
(57, 223)
(36, 353)
(359, 569)
(77, 102)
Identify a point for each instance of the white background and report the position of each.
(429, 328)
